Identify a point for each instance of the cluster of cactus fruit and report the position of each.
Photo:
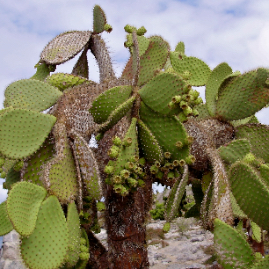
(151, 126)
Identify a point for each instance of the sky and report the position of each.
(232, 31)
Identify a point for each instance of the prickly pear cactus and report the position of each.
(151, 126)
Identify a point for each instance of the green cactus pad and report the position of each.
(74, 232)
(199, 70)
(99, 19)
(35, 164)
(160, 90)
(213, 83)
(126, 153)
(264, 172)
(262, 264)
(23, 204)
(227, 80)
(231, 248)
(12, 177)
(5, 223)
(63, 81)
(22, 132)
(31, 94)
(180, 47)
(256, 232)
(236, 208)
(143, 44)
(43, 70)
(149, 146)
(257, 135)
(117, 114)
(250, 193)
(244, 96)
(167, 131)
(88, 167)
(81, 67)
(251, 119)
(8, 164)
(61, 174)
(175, 196)
(235, 150)
(65, 46)
(47, 246)
(108, 101)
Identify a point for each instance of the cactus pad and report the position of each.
(81, 67)
(250, 193)
(63, 81)
(73, 225)
(88, 167)
(23, 204)
(160, 90)
(12, 177)
(149, 146)
(232, 249)
(235, 150)
(108, 101)
(257, 135)
(43, 70)
(244, 96)
(31, 94)
(99, 19)
(5, 224)
(167, 130)
(22, 132)
(212, 85)
(198, 70)
(180, 47)
(46, 247)
(65, 46)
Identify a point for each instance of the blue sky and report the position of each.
(234, 31)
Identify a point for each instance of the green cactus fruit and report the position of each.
(18, 138)
(167, 131)
(51, 233)
(141, 31)
(257, 135)
(160, 90)
(175, 196)
(231, 248)
(244, 96)
(127, 142)
(126, 153)
(180, 48)
(36, 162)
(108, 101)
(120, 189)
(6, 225)
(116, 141)
(151, 61)
(60, 174)
(43, 70)
(31, 94)
(88, 167)
(199, 70)
(74, 232)
(11, 178)
(234, 151)
(213, 83)
(99, 20)
(236, 208)
(63, 81)
(113, 152)
(83, 241)
(149, 146)
(81, 68)
(246, 183)
(65, 46)
(109, 169)
(18, 166)
(23, 205)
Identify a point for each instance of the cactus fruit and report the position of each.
(23, 203)
(50, 232)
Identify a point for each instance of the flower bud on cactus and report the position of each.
(134, 159)
(176, 163)
(190, 159)
(84, 256)
(138, 170)
(129, 29)
(182, 163)
(179, 144)
(195, 112)
(120, 189)
(129, 165)
(171, 105)
(187, 111)
(154, 169)
(132, 182)
(141, 31)
(182, 117)
(195, 94)
(183, 105)
(198, 101)
(117, 179)
(116, 141)
(157, 164)
(108, 28)
(177, 99)
(186, 97)
(167, 155)
(113, 152)
(127, 142)
(124, 173)
(109, 169)
(128, 44)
